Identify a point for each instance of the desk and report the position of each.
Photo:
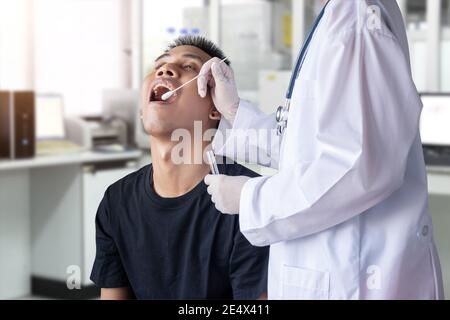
(46, 214)
(69, 159)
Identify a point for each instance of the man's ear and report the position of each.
(214, 114)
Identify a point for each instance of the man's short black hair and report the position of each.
(200, 42)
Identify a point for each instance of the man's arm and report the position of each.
(108, 271)
(248, 269)
(263, 296)
(116, 294)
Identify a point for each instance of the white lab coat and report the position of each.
(347, 214)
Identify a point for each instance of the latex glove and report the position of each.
(219, 78)
(226, 191)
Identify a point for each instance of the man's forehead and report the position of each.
(186, 52)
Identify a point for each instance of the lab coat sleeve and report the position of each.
(368, 119)
(252, 138)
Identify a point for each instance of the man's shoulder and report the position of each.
(231, 168)
(130, 182)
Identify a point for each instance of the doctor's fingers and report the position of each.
(209, 179)
(217, 199)
(206, 68)
(205, 77)
(203, 83)
(220, 209)
(210, 190)
(213, 179)
(222, 72)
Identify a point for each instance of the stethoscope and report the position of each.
(283, 111)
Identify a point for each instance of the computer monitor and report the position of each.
(49, 117)
(435, 120)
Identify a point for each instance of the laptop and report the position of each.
(435, 128)
(50, 129)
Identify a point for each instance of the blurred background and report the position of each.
(70, 71)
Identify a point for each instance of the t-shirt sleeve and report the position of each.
(108, 271)
(248, 268)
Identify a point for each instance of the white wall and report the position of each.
(16, 45)
(158, 17)
(445, 60)
(78, 51)
(73, 47)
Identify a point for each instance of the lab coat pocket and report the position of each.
(305, 284)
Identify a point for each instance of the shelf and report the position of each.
(68, 159)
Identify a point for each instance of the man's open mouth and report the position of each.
(159, 88)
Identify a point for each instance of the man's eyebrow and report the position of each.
(164, 55)
(186, 55)
(193, 56)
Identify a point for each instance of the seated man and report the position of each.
(159, 235)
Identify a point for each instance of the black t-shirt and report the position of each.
(174, 248)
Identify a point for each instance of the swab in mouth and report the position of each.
(159, 90)
(166, 96)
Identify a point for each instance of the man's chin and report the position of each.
(160, 133)
(165, 130)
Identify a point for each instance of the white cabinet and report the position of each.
(64, 202)
(14, 234)
(95, 182)
(47, 219)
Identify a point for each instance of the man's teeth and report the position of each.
(161, 86)
(160, 90)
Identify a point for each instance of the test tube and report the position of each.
(212, 162)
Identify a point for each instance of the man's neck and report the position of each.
(171, 179)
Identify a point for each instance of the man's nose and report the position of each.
(167, 70)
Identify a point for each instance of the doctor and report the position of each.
(347, 213)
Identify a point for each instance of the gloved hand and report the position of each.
(219, 77)
(226, 191)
